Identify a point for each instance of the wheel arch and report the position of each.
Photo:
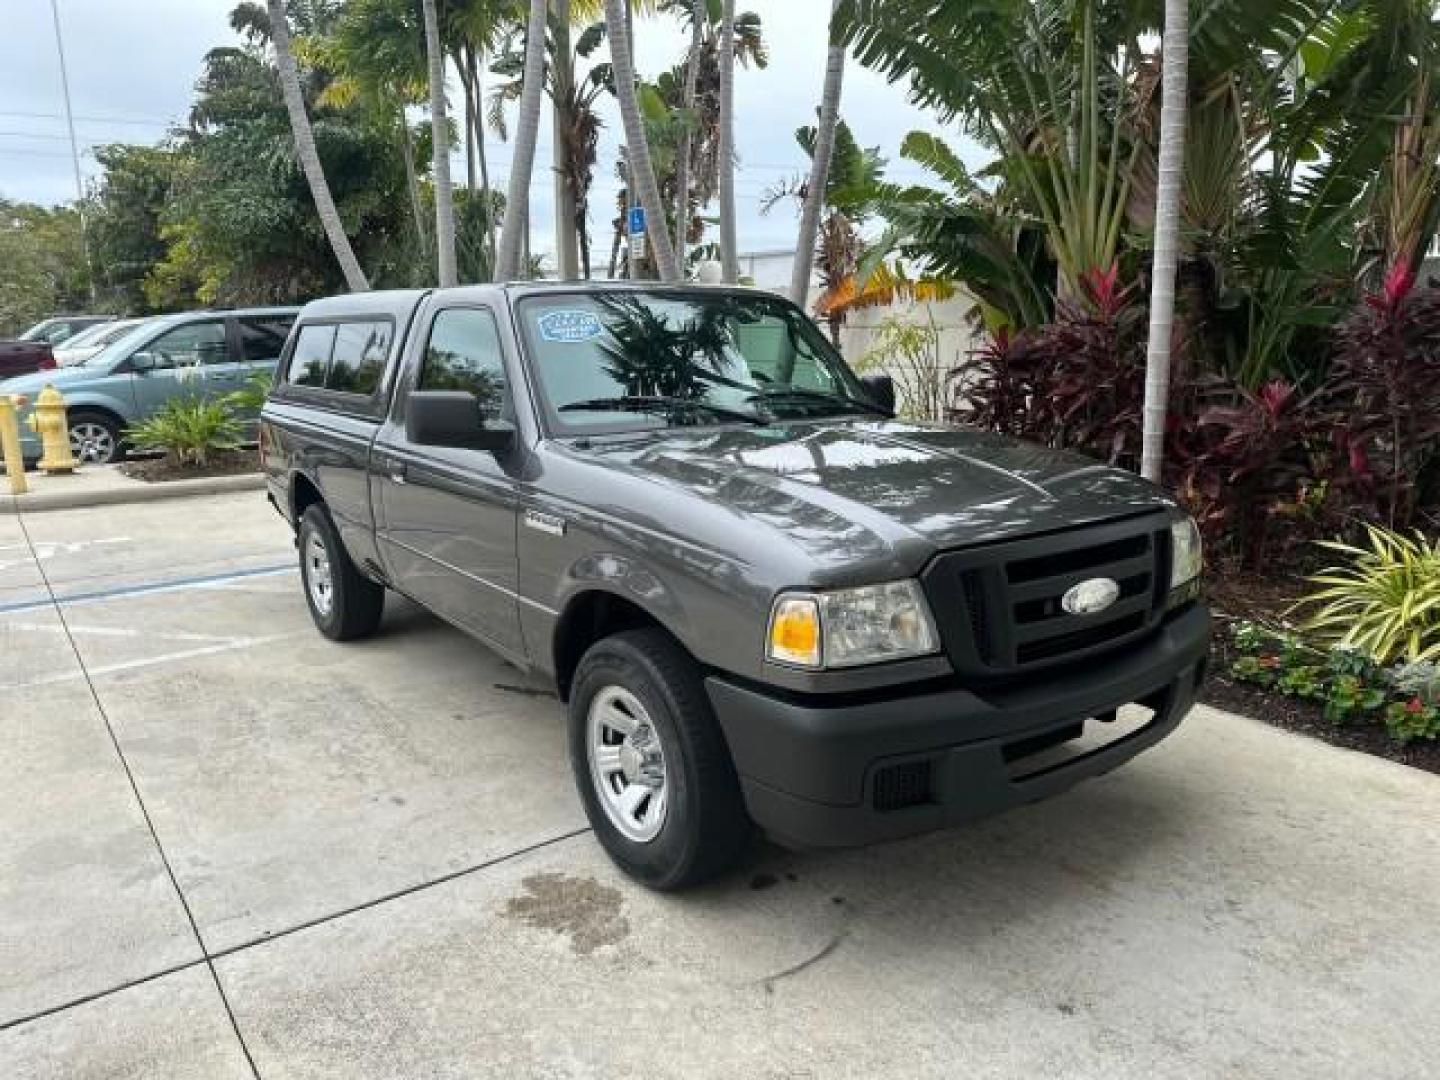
(304, 493)
(588, 617)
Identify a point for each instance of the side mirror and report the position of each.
(452, 418)
(881, 390)
(142, 362)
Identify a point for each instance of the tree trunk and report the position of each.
(725, 158)
(682, 161)
(637, 145)
(440, 137)
(522, 163)
(305, 150)
(477, 81)
(1176, 58)
(469, 90)
(819, 170)
(562, 84)
(412, 183)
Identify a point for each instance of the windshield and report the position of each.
(100, 334)
(121, 347)
(624, 361)
(38, 332)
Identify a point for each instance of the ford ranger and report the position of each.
(765, 601)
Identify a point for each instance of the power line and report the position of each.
(25, 115)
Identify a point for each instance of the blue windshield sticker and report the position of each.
(570, 326)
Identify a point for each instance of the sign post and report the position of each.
(635, 221)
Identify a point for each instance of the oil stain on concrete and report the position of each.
(578, 907)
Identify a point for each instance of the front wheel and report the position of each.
(651, 763)
(343, 602)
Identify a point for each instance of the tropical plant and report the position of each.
(1385, 598)
(911, 352)
(1243, 466)
(852, 274)
(309, 157)
(1077, 382)
(250, 398)
(1384, 391)
(522, 164)
(446, 270)
(820, 153)
(697, 12)
(966, 233)
(376, 49)
(188, 430)
(575, 101)
(637, 144)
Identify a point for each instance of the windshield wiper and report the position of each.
(659, 403)
(799, 393)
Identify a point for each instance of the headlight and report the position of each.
(1186, 557)
(851, 627)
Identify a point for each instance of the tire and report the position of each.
(95, 438)
(343, 602)
(703, 828)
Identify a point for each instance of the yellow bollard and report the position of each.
(10, 444)
(49, 422)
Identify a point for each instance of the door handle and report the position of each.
(399, 471)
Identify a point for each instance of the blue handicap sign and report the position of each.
(637, 220)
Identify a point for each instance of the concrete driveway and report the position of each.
(230, 848)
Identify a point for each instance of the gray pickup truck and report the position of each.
(765, 601)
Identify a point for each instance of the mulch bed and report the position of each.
(221, 463)
(1238, 596)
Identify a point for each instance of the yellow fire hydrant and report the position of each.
(10, 445)
(49, 422)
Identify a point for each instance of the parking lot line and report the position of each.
(172, 585)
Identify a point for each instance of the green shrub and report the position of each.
(251, 399)
(1385, 601)
(188, 430)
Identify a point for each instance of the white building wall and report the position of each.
(771, 270)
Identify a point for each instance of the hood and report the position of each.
(38, 380)
(858, 486)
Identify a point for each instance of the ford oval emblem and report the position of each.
(1091, 597)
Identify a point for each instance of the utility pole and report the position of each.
(74, 147)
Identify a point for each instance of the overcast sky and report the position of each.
(133, 66)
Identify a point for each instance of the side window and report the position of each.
(311, 358)
(358, 361)
(464, 353)
(186, 346)
(262, 337)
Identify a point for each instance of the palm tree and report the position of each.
(729, 251)
(682, 160)
(1168, 193)
(819, 166)
(522, 163)
(636, 142)
(305, 150)
(440, 139)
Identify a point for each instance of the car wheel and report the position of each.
(95, 439)
(343, 602)
(651, 763)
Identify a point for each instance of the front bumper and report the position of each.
(813, 773)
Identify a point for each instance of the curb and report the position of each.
(135, 491)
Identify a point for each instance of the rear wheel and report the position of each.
(651, 763)
(343, 602)
(95, 438)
